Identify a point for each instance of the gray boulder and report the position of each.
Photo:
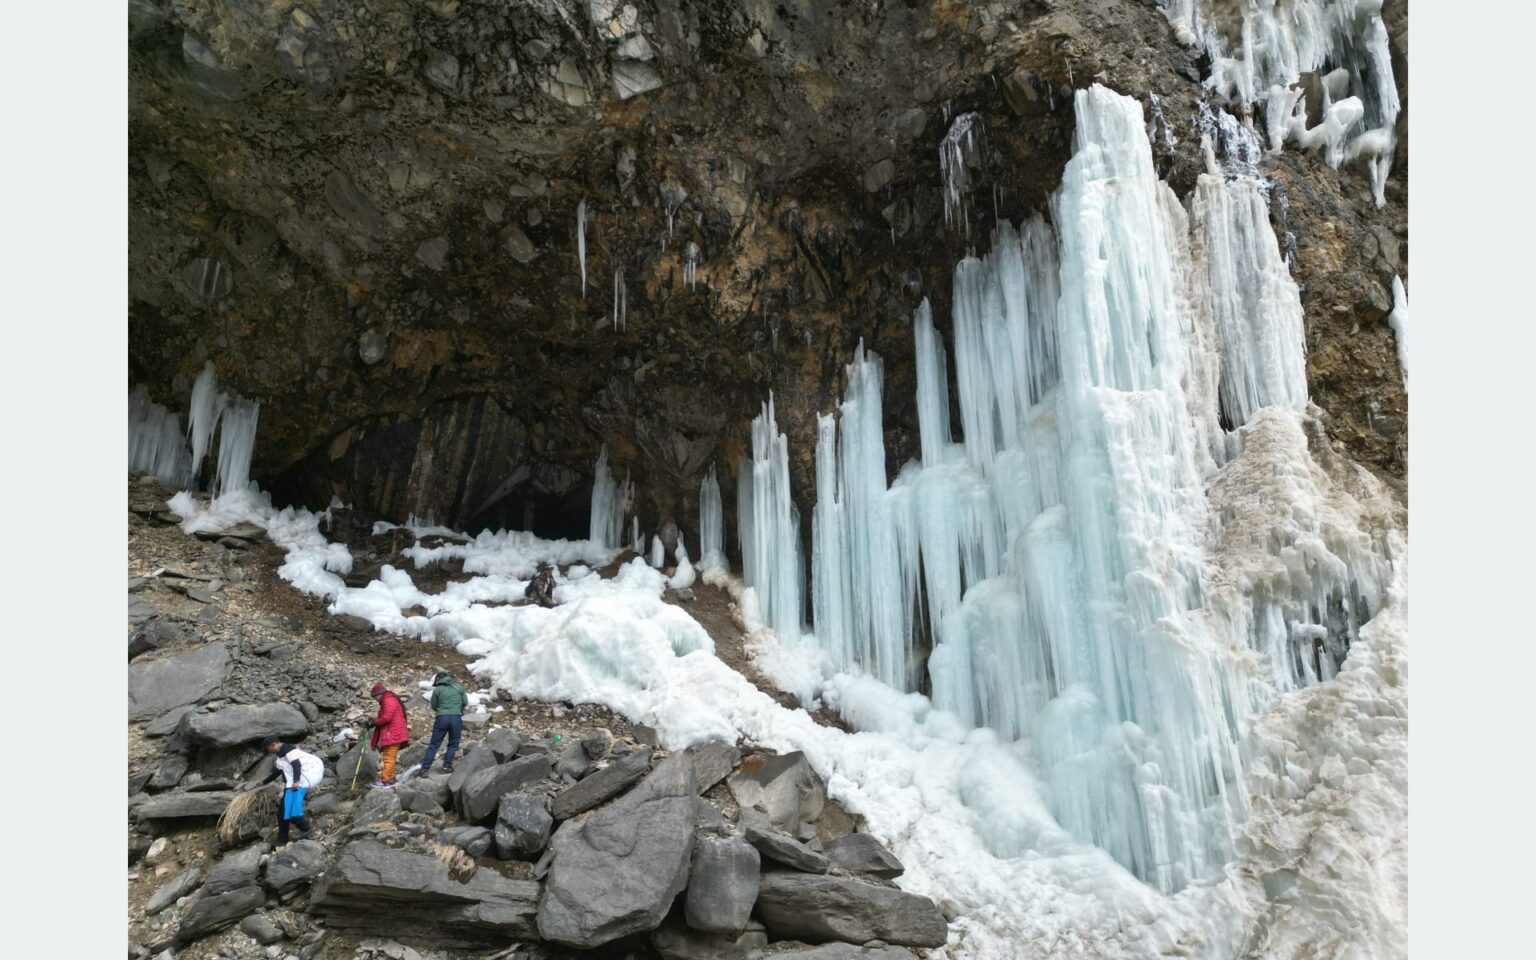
(182, 806)
(480, 757)
(245, 723)
(503, 743)
(260, 929)
(619, 872)
(166, 724)
(168, 772)
(359, 765)
(712, 762)
(862, 853)
(209, 913)
(475, 841)
(155, 686)
(523, 825)
(599, 787)
(295, 865)
(236, 870)
(179, 886)
(379, 805)
(785, 786)
(417, 800)
(722, 886)
(373, 887)
(482, 793)
(808, 907)
(787, 850)
(673, 941)
(598, 743)
(573, 762)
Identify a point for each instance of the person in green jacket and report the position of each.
(448, 702)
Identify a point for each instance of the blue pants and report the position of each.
(291, 810)
(450, 724)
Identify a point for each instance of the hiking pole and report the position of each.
(359, 766)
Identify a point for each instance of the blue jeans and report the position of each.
(450, 724)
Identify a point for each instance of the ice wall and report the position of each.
(157, 445)
(155, 442)
(1058, 559)
(1262, 51)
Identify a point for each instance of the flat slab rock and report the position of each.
(159, 684)
(373, 887)
(601, 786)
(805, 906)
(244, 723)
(618, 872)
(182, 806)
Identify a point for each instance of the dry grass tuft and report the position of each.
(461, 866)
(246, 810)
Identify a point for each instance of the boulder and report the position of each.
(676, 942)
(359, 764)
(475, 841)
(599, 787)
(374, 887)
(862, 853)
(179, 886)
(295, 865)
(785, 786)
(155, 686)
(482, 756)
(815, 908)
(209, 913)
(712, 762)
(574, 762)
(166, 724)
(236, 870)
(244, 723)
(153, 634)
(503, 743)
(260, 929)
(482, 792)
(722, 885)
(597, 743)
(787, 850)
(417, 800)
(168, 773)
(619, 872)
(182, 806)
(523, 825)
(379, 805)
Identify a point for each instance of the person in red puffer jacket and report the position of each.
(390, 731)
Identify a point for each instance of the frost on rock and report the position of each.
(1262, 50)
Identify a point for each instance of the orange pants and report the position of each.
(387, 773)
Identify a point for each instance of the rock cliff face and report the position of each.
(369, 216)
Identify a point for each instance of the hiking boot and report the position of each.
(383, 783)
(447, 768)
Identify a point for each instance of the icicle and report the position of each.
(770, 530)
(1398, 318)
(581, 243)
(610, 500)
(620, 297)
(155, 442)
(658, 557)
(207, 404)
(237, 441)
(691, 264)
(960, 152)
(636, 541)
(711, 524)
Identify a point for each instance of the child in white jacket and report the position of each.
(300, 771)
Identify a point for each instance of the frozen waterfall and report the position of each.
(610, 501)
(157, 445)
(1058, 561)
(711, 524)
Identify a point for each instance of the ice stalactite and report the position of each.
(672, 197)
(770, 531)
(636, 541)
(1261, 50)
(203, 417)
(1256, 305)
(691, 265)
(658, 557)
(961, 156)
(155, 442)
(610, 501)
(1398, 318)
(711, 523)
(620, 298)
(237, 442)
(581, 243)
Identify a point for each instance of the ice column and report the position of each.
(610, 500)
(770, 530)
(237, 441)
(711, 523)
(207, 404)
(155, 442)
(1255, 302)
(1399, 321)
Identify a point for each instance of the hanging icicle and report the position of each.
(581, 243)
